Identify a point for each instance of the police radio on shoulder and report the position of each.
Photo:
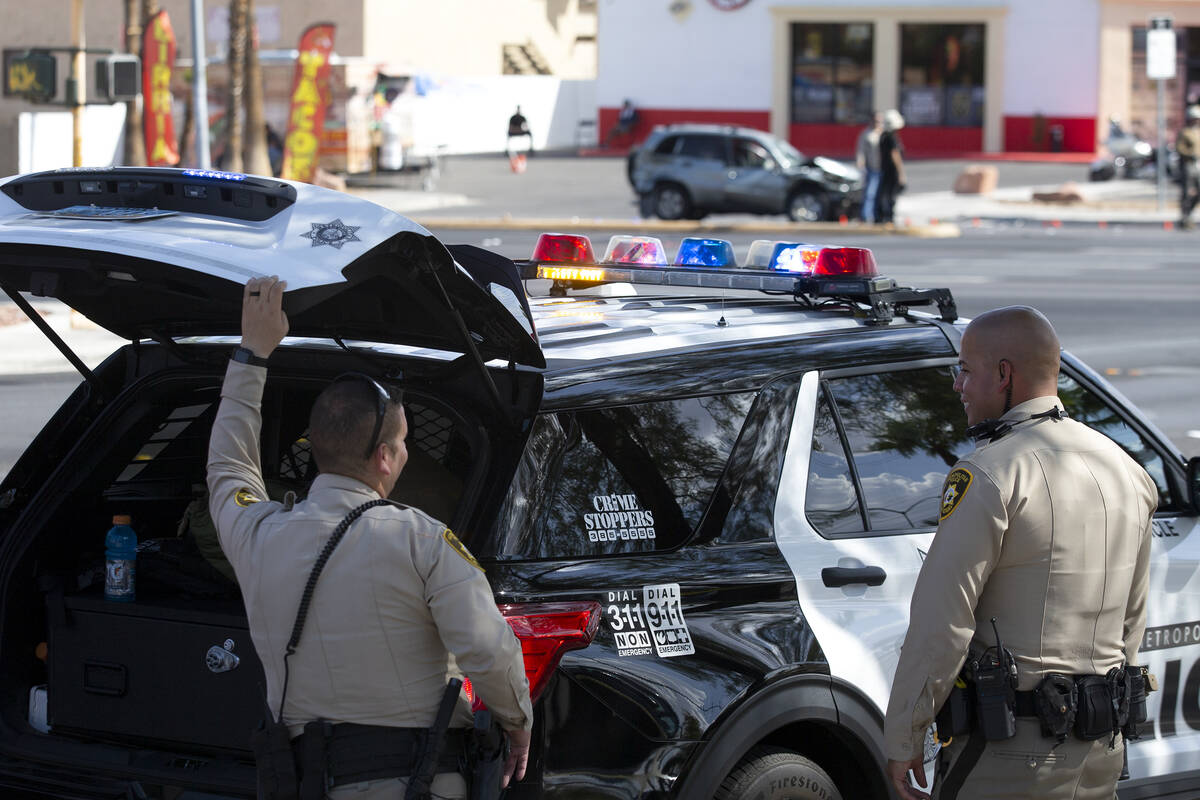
(244, 355)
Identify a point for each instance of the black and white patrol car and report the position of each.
(703, 515)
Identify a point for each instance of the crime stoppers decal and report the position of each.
(956, 486)
(649, 617)
(618, 517)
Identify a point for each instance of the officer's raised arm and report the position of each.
(235, 481)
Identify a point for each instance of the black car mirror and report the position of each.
(1193, 482)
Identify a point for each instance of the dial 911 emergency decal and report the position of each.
(650, 617)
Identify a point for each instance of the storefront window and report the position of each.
(832, 72)
(941, 74)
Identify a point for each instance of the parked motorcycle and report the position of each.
(1129, 156)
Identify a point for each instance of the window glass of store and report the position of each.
(833, 72)
(941, 74)
(618, 480)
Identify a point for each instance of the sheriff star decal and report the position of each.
(334, 234)
(460, 548)
(956, 486)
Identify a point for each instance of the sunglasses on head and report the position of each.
(382, 398)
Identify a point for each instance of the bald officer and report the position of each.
(1046, 528)
(401, 605)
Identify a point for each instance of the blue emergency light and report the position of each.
(697, 252)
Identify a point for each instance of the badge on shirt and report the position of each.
(246, 498)
(956, 486)
(460, 548)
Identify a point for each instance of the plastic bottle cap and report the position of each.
(122, 519)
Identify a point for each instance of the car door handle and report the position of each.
(844, 576)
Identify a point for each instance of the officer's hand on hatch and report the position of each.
(898, 772)
(518, 757)
(263, 322)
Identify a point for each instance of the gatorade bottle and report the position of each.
(120, 556)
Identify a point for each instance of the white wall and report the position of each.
(470, 115)
(45, 139)
(1052, 58)
(710, 59)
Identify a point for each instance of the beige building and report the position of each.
(448, 38)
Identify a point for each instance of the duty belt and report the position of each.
(355, 753)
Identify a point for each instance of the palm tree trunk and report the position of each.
(135, 134)
(236, 121)
(257, 160)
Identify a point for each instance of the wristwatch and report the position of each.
(245, 355)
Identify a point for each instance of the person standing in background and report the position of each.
(867, 156)
(891, 171)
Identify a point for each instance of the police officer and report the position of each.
(1187, 144)
(1046, 528)
(401, 605)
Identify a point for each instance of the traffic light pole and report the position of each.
(78, 76)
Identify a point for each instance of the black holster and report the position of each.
(489, 749)
(314, 762)
(1094, 717)
(1055, 701)
(273, 760)
(1138, 687)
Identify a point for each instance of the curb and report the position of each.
(940, 230)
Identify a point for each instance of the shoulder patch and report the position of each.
(956, 486)
(460, 548)
(245, 497)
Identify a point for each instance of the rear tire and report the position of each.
(773, 773)
(806, 205)
(671, 201)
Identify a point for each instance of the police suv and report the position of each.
(702, 514)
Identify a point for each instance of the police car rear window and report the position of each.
(628, 479)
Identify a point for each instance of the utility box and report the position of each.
(118, 78)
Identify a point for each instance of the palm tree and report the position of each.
(236, 121)
(135, 134)
(257, 160)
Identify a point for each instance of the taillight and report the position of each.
(546, 631)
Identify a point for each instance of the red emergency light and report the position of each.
(563, 248)
(845, 262)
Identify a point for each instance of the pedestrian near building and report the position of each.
(1187, 144)
(627, 118)
(518, 127)
(1044, 528)
(891, 172)
(399, 608)
(867, 156)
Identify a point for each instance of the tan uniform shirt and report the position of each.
(1187, 143)
(1051, 536)
(396, 612)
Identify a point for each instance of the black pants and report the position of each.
(1189, 186)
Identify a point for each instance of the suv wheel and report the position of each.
(778, 774)
(806, 205)
(671, 201)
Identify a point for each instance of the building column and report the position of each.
(886, 63)
(993, 82)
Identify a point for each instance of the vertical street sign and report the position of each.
(1160, 67)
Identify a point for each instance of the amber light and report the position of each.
(570, 274)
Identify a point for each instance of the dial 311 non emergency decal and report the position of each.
(649, 617)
